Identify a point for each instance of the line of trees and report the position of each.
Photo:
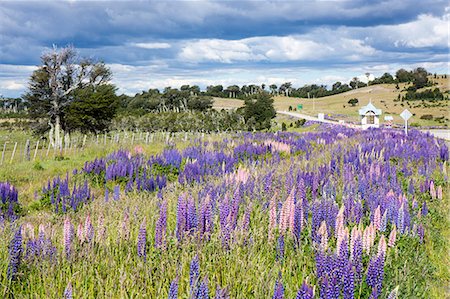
(69, 93)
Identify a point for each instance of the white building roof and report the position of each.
(369, 107)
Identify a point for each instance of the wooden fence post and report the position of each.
(35, 150)
(13, 153)
(3, 153)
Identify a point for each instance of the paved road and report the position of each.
(307, 117)
(439, 133)
(444, 134)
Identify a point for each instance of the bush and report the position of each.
(427, 117)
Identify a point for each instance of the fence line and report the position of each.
(77, 143)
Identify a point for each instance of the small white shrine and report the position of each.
(370, 116)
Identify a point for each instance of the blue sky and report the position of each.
(154, 44)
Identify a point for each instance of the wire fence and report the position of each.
(41, 148)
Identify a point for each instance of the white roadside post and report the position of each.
(406, 115)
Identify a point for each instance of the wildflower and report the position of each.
(377, 218)
(203, 291)
(392, 237)
(88, 229)
(278, 292)
(439, 192)
(305, 292)
(348, 281)
(15, 254)
(194, 274)
(272, 216)
(80, 232)
(101, 229)
(280, 248)
(375, 275)
(142, 240)
(173, 289)
(161, 224)
(68, 236)
(432, 190)
(125, 227)
(68, 291)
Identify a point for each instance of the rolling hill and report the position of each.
(383, 96)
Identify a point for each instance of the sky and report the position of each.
(155, 44)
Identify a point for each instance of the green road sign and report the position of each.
(299, 107)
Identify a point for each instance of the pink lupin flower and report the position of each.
(382, 247)
(272, 216)
(80, 232)
(341, 236)
(439, 192)
(322, 231)
(101, 229)
(353, 236)
(28, 231)
(377, 218)
(392, 237)
(88, 229)
(68, 236)
(125, 227)
(372, 232)
(138, 150)
(432, 190)
(291, 211)
(340, 217)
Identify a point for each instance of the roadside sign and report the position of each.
(299, 107)
(406, 115)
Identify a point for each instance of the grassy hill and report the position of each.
(383, 96)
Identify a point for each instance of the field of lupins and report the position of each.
(337, 213)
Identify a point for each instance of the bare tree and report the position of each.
(62, 72)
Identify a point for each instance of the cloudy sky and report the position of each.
(170, 43)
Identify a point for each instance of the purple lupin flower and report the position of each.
(181, 216)
(203, 291)
(424, 211)
(420, 232)
(357, 258)
(280, 248)
(221, 293)
(116, 195)
(305, 292)
(142, 240)
(161, 225)
(194, 273)
(106, 195)
(375, 274)
(68, 291)
(348, 280)
(15, 254)
(191, 220)
(173, 289)
(88, 229)
(278, 292)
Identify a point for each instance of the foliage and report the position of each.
(353, 102)
(259, 111)
(186, 121)
(426, 95)
(93, 109)
(53, 85)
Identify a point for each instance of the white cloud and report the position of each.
(217, 50)
(151, 45)
(273, 49)
(425, 31)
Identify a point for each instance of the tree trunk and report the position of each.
(58, 143)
